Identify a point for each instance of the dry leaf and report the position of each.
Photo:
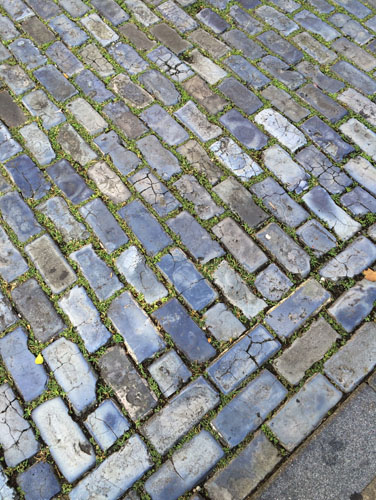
(370, 275)
(39, 359)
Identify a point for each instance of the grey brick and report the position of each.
(244, 130)
(315, 25)
(304, 411)
(209, 43)
(126, 56)
(7, 315)
(146, 227)
(200, 161)
(246, 100)
(68, 445)
(38, 144)
(206, 68)
(16, 435)
(277, 20)
(212, 20)
(100, 30)
(354, 7)
(8, 146)
(37, 309)
(163, 124)
(7, 29)
(14, 76)
(19, 216)
(322, 103)
(246, 71)
(189, 283)
(186, 467)
(222, 324)
(201, 92)
(314, 48)
(354, 305)
(94, 88)
(359, 202)
(272, 283)
(169, 372)
(74, 145)
(46, 9)
(279, 203)
(242, 359)
(94, 58)
(322, 205)
(355, 54)
(319, 79)
(170, 38)
(86, 115)
(71, 34)
(195, 238)
(136, 36)
(282, 72)
(154, 192)
(234, 158)
(72, 372)
(170, 64)
(242, 247)
(286, 5)
(245, 471)
(69, 181)
(111, 11)
(355, 77)
(75, 8)
(123, 159)
(26, 53)
(196, 121)
(12, 264)
(158, 157)
(331, 177)
(132, 323)
(108, 182)
(17, 9)
(131, 93)
(50, 263)
(291, 314)
(185, 333)
(361, 135)
(29, 378)
(117, 473)
(244, 20)
(177, 16)
(100, 277)
(142, 13)
(316, 237)
(240, 201)
(160, 86)
(236, 291)
(57, 210)
(184, 411)
(363, 172)
(130, 388)
(104, 225)
(239, 40)
(106, 424)
(191, 189)
(360, 104)
(290, 255)
(249, 408)
(305, 351)
(38, 31)
(11, 112)
(55, 83)
(326, 138)
(348, 366)
(28, 177)
(277, 44)
(39, 105)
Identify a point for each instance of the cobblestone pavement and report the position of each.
(188, 200)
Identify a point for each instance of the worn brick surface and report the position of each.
(187, 200)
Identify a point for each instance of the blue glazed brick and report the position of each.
(104, 225)
(28, 178)
(164, 125)
(92, 87)
(124, 160)
(8, 146)
(158, 157)
(272, 283)
(85, 318)
(140, 335)
(247, 72)
(106, 424)
(69, 181)
(30, 378)
(244, 130)
(64, 59)
(169, 372)
(72, 35)
(242, 359)
(304, 411)
(56, 84)
(100, 277)
(354, 305)
(131, 126)
(39, 482)
(44, 8)
(195, 237)
(316, 237)
(15, 77)
(27, 53)
(222, 323)
(38, 104)
(288, 316)
(187, 336)
(189, 283)
(186, 468)
(111, 10)
(127, 57)
(146, 227)
(7, 316)
(249, 408)
(12, 264)
(19, 216)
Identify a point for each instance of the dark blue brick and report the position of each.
(69, 181)
(28, 178)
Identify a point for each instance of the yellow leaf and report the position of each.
(39, 359)
(370, 275)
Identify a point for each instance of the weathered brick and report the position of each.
(169, 372)
(191, 189)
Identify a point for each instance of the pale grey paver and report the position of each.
(68, 445)
(193, 191)
(361, 135)
(278, 126)
(12, 264)
(86, 115)
(234, 158)
(286, 169)
(363, 172)
(170, 372)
